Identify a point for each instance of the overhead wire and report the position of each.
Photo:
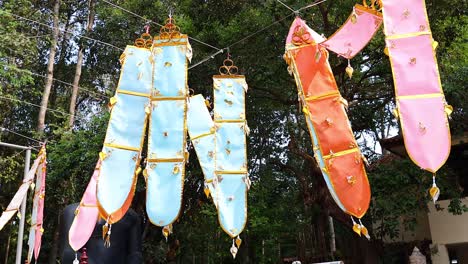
(285, 5)
(295, 12)
(62, 30)
(57, 80)
(36, 105)
(156, 23)
(19, 134)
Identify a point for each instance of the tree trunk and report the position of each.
(55, 243)
(79, 63)
(50, 70)
(7, 251)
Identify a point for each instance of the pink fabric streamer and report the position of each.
(86, 215)
(15, 203)
(356, 32)
(36, 230)
(421, 105)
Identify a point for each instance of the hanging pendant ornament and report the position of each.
(166, 231)
(105, 228)
(434, 191)
(364, 230)
(356, 227)
(233, 249)
(349, 70)
(107, 243)
(238, 241)
(76, 261)
(354, 16)
(207, 190)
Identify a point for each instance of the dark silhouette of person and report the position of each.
(125, 247)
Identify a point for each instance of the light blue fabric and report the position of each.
(230, 147)
(199, 122)
(167, 135)
(229, 98)
(136, 70)
(230, 153)
(170, 69)
(164, 197)
(116, 178)
(126, 128)
(198, 117)
(232, 203)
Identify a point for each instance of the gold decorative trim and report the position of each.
(117, 146)
(420, 96)
(166, 160)
(132, 93)
(230, 172)
(201, 135)
(323, 96)
(408, 35)
(168, 98)
(341, 153)
(230, 121)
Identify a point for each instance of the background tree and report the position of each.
(289, 203)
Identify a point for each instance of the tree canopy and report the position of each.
(289, 203)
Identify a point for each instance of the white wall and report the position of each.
(447, 228)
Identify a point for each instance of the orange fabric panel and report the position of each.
(343, 160)
(350, 182)
(315, 77)
(331, 124)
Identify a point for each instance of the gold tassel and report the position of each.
(434, 191)
(349, 70)
(107, 242)
(364, 230)
(207, 191)
(112, 102)
(354, 17)
(166, 231)
(238, 241)
(448, 109)
(105, 228)
(356, 227)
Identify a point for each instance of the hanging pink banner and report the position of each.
(356, 32)
(86, 214)
(421, 106)
(36, 230)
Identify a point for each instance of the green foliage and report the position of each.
(288, 201)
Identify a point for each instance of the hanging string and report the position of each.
(2, 129)
(35, 105)
(57, 80)
(279, 1)
(160, 25)
(295, 12)
(62, 30)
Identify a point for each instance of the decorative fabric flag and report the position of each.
(421, 106)
(15, 203)
(354, 34)
(165, 169)
(86, 214)
(36, 230)
(120, 156)
(231, 151)
(202, 133)
(334, 145)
